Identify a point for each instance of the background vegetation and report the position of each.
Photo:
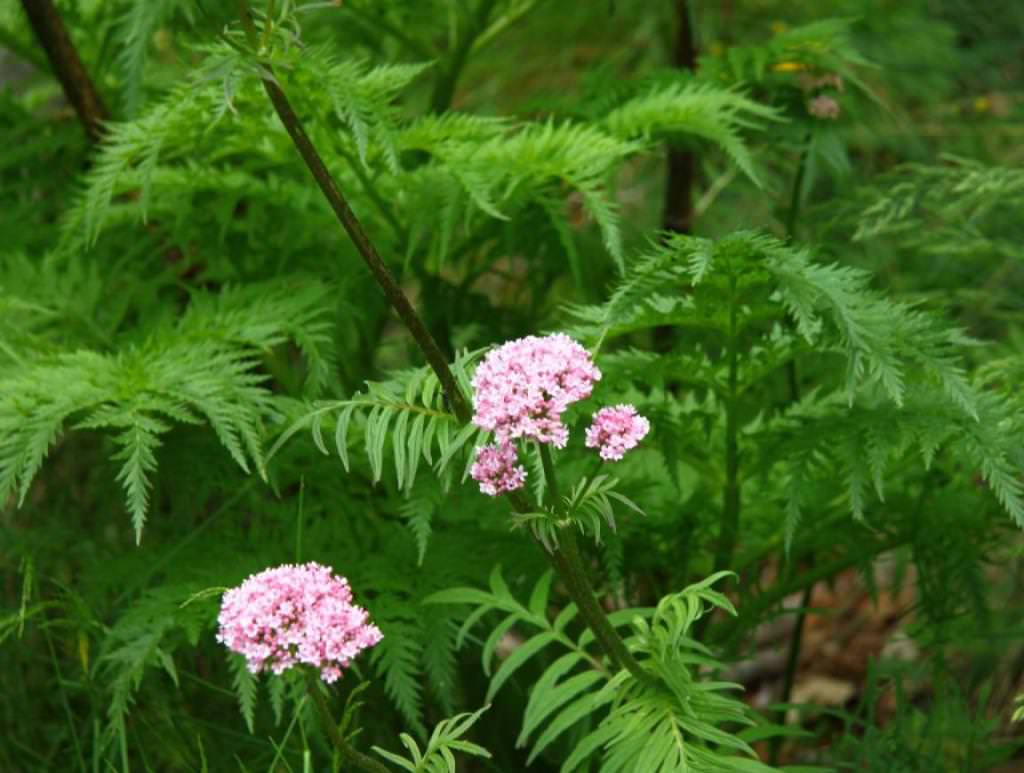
(790, 232)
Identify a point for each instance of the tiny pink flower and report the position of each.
(616, 430)
(522, 388)
(291, 614)
(823, 107)
(496, 469)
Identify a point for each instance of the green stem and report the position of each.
(731, 496)
(758, 606)
(374, 195)
(792, 214)
(797, 635)
(569, 564)
(444, 88)
(385, 279)
(792, 660)
(566, 561)
(347, 751)
(549, 475)
(795, 196)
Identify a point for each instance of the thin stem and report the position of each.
(567, 560)
(682, 165)
(549, 475)
(792, 215)
(392, 290)
(795, 196)
(792, 660)
(757, 606)
(570, 566)
(347, 751)
(731, 496)
(78, 87)
(444, 87)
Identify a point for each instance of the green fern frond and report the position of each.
(438, 756)
(204, 369)
(699, 109)
(397, 661)
(407, 411)
(134, 34)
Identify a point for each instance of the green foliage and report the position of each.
(187, 331)
(203, 369)
(438, 756)
(407, 410)
(671, 723)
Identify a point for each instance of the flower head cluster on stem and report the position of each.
(523, 387)
(294, 614)
(616, 430)
(497, 470)
(521, 390)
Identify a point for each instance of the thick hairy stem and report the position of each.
(682, 166)
(78, 87)
(347, 751)
(392, 290)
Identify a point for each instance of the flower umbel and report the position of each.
(292, 614)
(616, 430)
(824, 107)
(496, 469)
(522, 388)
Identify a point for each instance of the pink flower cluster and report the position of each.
(295, 614)
(496, 469)
(616, 430)
(522, 388)
(824, 107)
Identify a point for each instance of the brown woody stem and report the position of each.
(78, 87)
(385, 279)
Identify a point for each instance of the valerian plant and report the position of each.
(380, 409)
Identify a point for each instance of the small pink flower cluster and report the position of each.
(521, 390)
(824, 107)
(295, 614)
(523, 387)
(616, 430)
(496, 469)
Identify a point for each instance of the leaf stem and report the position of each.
(347, 751)
(385, 279)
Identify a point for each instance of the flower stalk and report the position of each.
(569, 565)
(566, 560)
(348, 752)
(339, 204)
